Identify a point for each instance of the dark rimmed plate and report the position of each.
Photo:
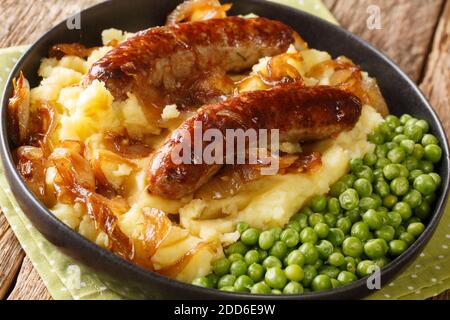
(401, 93)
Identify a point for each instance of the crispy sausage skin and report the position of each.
(300, 114)
(169, 57)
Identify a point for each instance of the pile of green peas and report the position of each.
(371, 215)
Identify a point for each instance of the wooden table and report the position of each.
(414, 33)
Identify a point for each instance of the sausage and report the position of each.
(300, 113)
(170, 57)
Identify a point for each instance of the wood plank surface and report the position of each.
(406, 30)
(414, 33)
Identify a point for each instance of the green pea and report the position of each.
(363, 187)
(405, 118)
(361, 231)
(425, 184)
(310, 252)
(386, 233)
(330, 271)
(350, 263)
(202, 282)
(375, 248)
(325, 249)
(397, 247)
(250, 236)
(290, 237)
(381, 151)
(414, 174)
(279, 250)
(344, 224)
(426, 166)
(321, 282)
(423, 210)
(429, 139)
(315, 218)
(307, 211)
(221, 266)
(391, 171)
(385, 130)
(382, 188)
(352, 247)
(336, 237)
(404, 172)
(411, 122)
(381, 262)
(318, 203)
(418, 152)
(226, 281)
(365, 268)
(368, 203)
(235, 257)
(353, 215)
(262, 254)
(330, 220)
(275, 278)
(310, 274)
(336, 259)
(437, 178)
(213, 280)
(373, 219)
(296, 257)
(276, 231)
(396, 155)
(243, 284)
(242, 226)
(392, 121)
(302, 221)
(266, 240)
(356, 163)
(346, 277)
(407, 146)
(292, 225)
(252, 256)
(403, 209)
(237, 247)
(293, 288)
(391, 145)
(321, 229)
(276, 291)
(333, 206)
(238, 268)
(413, 198)
(308, 235)
(399, 230)
(433, 153)
(294, 272)
(400, 186)
(390, 201)
(424, 125)
(378, 174)
(271, 262)
(399, 130)
(416, 229)
(260, 288)
(394, 219)
(349, 200)
(414, 132)
(338, 188)
(411, 163)
(256, 272)
(370, 159)
(430, 198)
(407, 237)
(364, 172)
(382, 162)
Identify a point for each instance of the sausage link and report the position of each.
(299, 113)
(170, 57)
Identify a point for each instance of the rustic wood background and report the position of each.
(414, 33)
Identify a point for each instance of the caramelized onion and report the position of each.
(69, 49)
(19, 110)
(203, 10)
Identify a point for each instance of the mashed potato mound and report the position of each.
(87, 114)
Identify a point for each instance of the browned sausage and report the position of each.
(170, 57)
(300, 114)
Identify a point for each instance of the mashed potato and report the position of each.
(86, 115)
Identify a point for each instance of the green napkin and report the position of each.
(65, 278)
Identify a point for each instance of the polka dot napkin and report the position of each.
(428, 275)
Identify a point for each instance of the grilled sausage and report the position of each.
(300, 114)
(170, 57)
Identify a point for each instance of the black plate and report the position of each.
(400, 92)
